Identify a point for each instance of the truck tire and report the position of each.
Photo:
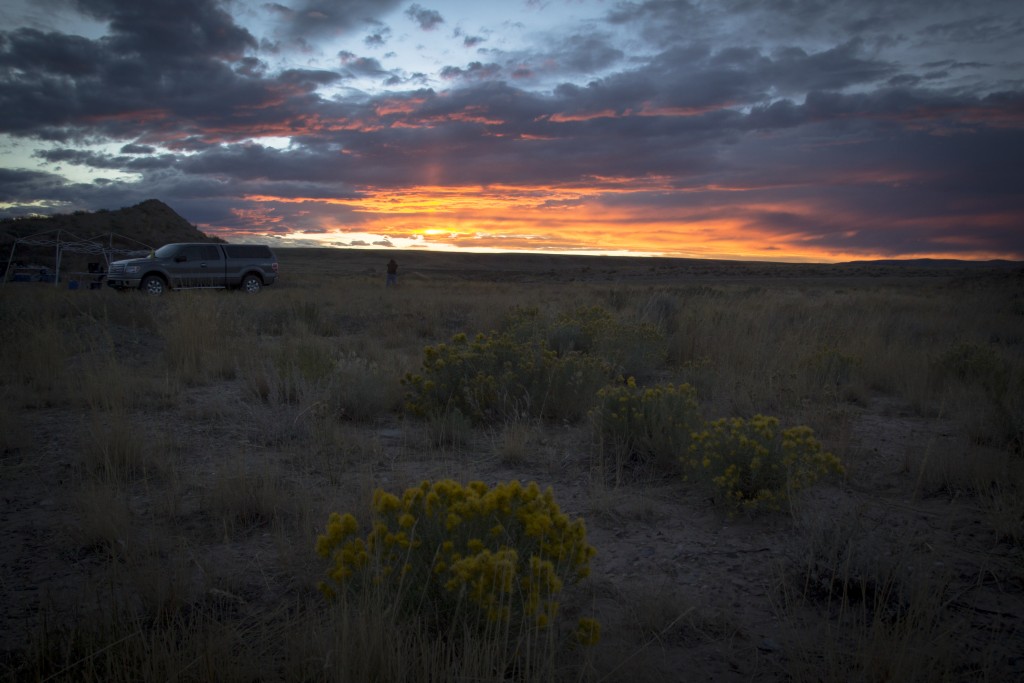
(153, 285)
(252, 284)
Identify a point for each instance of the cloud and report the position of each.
(16, 184)
(63, 87)
(307, 80)
(427, 19)
(179, 31)
(470, 41)
(590, 53)
(808, 128)
(794, 70)
(320, 19)
(362, 66)
(33, 52)
(472, 71)
(378, 39)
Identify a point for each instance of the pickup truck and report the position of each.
(248, 267)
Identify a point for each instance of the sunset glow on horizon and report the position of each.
(567, 220)
(824, 132)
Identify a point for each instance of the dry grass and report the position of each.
(884, 615)
(167, 464)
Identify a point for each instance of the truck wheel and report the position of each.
(252, 284)
(153, 285)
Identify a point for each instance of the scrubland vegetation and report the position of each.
(464, 479)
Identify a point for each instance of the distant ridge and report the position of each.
(151, 222)
(936, 263)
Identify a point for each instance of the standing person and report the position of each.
(392, 273)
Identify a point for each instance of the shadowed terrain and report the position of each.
(167, 464)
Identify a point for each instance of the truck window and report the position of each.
(211, 253)
(193, 252)
(247, 251)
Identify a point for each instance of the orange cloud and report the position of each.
(297, 126)
(607, 214)
(398, 106)
(646, 110)
(649, 110)
(566, 118)
(571, 218)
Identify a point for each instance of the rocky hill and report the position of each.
(152, 223)
(149, 224)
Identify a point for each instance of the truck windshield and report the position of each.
(166, 251)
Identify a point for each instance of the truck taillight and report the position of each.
(273, 266)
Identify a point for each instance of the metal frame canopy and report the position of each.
(65, 241)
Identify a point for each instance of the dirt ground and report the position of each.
(677, 585)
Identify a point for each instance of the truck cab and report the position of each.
(194, 265)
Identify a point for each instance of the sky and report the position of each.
(781, 130)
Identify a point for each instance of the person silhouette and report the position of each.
(392, 273)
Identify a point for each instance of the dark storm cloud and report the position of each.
(692, 76)
(16, 184)
(34, 52)
(126, 84)
(175, 30)
(54, 192)
(96, 160)
(137, 149)
(872, 196)
(256, 162)
(794, 70)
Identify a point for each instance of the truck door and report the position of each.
(199, 265)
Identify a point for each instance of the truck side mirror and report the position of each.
(180, 258)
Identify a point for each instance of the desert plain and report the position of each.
(167, 464)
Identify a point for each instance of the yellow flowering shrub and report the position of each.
(652, 424)
(628, 347)
(495, 376)
(754, 465)
(544, 367)
(448, 552)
